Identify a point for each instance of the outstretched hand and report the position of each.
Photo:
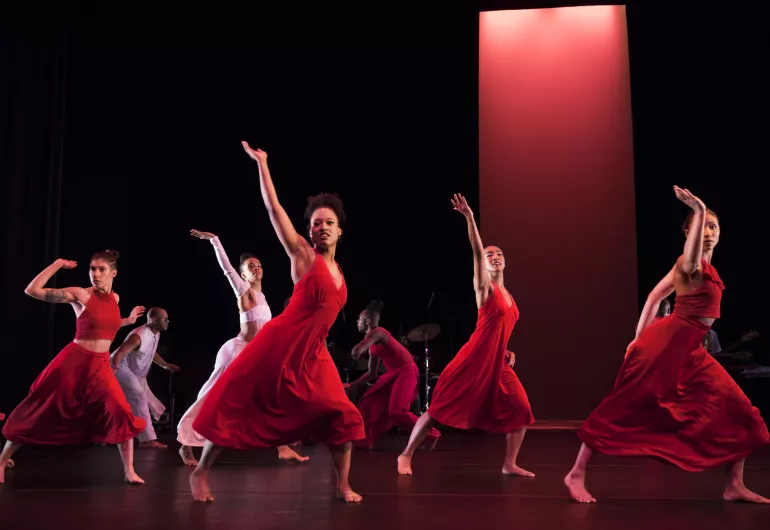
(136, 313)
(67, 264)
(202, 235)
(259, 155)
(689, 199)
(461, 205)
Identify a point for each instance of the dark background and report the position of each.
(128, 140)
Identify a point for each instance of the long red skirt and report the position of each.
(501, 407)
(387, 403)
(673, 401)
(266, 400)
(76, 399)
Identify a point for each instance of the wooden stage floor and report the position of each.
(457, 486)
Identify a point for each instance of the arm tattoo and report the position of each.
(56, 296)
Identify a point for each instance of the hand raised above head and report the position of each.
(689, 199)
(66, 264)
(202, 235)
(461, 205)
(257, 154)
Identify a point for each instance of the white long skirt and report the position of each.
(186, 435)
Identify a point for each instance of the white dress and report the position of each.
(260, 314)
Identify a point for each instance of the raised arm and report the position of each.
(693, 247)
(480, 274)
(132, 317)
(290, 239)
(238, 284)
(664, 288)
(65, 295)
(371, 338)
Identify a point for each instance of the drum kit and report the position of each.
(422, 334)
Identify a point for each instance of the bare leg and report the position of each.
(419, 433)
(576, 478)
(5, 458)
(126, 450)
(512, 445)
(155, 444)
(735, 490)
(287, 454)
(341, 455)
(199, 479)
(188, 457)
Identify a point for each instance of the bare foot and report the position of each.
(155, 444)
(577, 488)
(404, 465)
(516, 470)
(347, 495)
(199, 484)
(287, 454)
(736, 491)
(132, 478)
(187, 455)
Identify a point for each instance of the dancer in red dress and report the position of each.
(283, 386)
(671, 399)
(387, 402)
(478, 389)
(77, 398)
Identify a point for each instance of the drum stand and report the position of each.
(346, 370)
(424, 333)
(427, 377)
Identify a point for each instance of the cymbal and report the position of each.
(423, 332)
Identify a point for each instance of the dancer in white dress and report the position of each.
(254, 313)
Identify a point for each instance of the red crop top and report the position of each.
(704, 301)
(100, 319)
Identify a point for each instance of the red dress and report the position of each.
(672, 400)
(387, 402)
(478, 389)
(77, 398)
(283, 386)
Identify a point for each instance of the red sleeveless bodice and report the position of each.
(704, 301)
(393, 355)
(100, 319)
